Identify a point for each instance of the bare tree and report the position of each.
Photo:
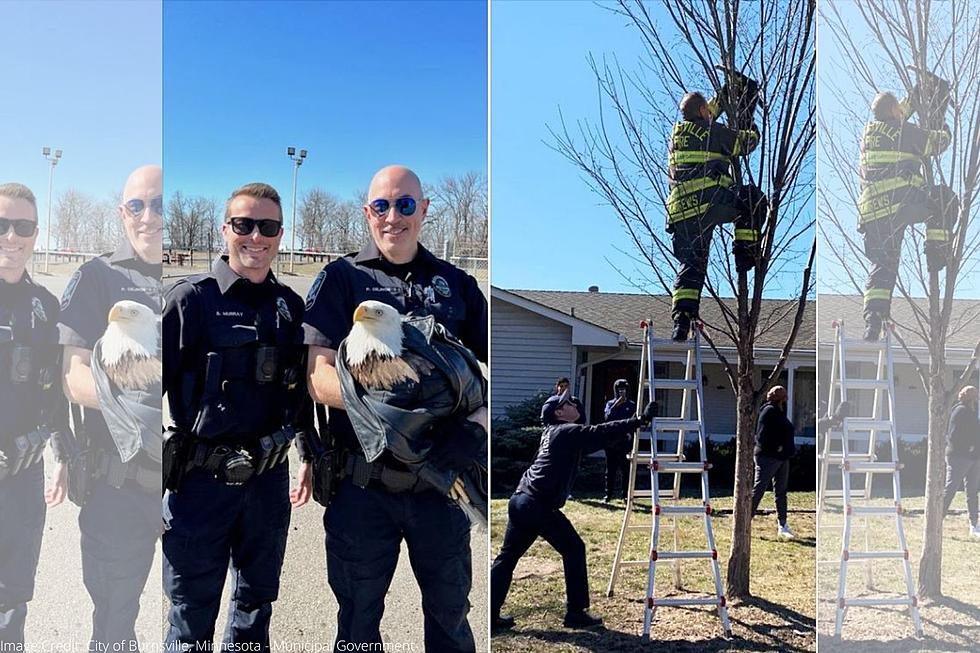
(623, 158)
(72, 210)
(942, 38)
(459, 209)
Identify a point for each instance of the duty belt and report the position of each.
(109, 466)
(363, 473)
(27, 451)
(226, 460)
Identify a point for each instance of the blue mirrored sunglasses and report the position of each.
(404, 205)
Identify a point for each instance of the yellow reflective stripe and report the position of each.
(936, 142)
(868, 214)
(875, 188)
(747, 138)
(694, 185)
(714, 107)
(675, 214)
(694, 156)
(884, 157)
(686, 293)
(937, 234)
(747, 234)
(877, 293)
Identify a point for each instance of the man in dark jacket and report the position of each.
(535, 509)
(963, 455)
(619, 407)
(774, 446)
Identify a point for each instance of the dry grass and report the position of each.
(780, 618)
(950, 625)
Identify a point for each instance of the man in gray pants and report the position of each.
(774, 446)
(963, 455)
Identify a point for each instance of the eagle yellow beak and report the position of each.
(360, 313)
(114, 313)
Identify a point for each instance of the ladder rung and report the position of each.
(679, 468)
(675, 384)
(684, 510)
(688, 600)
(878, 511)
(867, 602)
(644, 457)
(864, 345)
(638, 528)
(683, 555)
(674, 424)
(867, 424)
(870, 468)
(866, 384)
(875, 555)
(672, 344)
(838, 458)
(634, 563)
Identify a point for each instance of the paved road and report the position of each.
(305, 613)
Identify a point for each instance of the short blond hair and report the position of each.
(16, 191)
(258, 190)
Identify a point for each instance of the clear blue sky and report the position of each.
(84, 77)
(549, 230)
(358, 84)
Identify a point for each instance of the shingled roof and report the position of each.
(622, 313)
(964, 321)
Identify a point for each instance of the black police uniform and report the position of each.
(120, 519)
(234, 373)
(535, 508)
(702, 195)
(616, 462)
(775, 444)
(31, 405)
(894, 195)
(365, 525)
(963, 458)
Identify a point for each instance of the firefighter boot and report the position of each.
(682, 327)
(872, 326)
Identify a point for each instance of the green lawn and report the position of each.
(781, 617)
(950, 625)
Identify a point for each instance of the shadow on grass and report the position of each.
(612, 641)
(790, 622)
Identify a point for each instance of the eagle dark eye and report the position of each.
(378, 312)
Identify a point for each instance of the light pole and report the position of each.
(53, 160)
(297, 162)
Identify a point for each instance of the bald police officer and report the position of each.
(367, 518)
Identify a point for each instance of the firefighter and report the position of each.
(704, 194)
(894, 192)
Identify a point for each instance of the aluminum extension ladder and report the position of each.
(880, 423)
(671, 463)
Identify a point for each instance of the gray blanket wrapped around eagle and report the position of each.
(408, 387)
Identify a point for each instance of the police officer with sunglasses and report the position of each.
(31, 408)
(234, 375)
(368, 517)
(117, 481)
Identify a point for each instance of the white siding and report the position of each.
(528, 353)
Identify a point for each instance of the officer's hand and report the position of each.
(58, 490)
(649, 412)
(301, 494)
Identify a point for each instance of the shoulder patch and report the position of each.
(441, 286)
(315, 289)
(284, 309)
(38, 309)
(70, 289)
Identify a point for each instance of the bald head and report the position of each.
(142, 222)
(776, 394)
(396, 231)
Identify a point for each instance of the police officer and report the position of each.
(535, 508)
(704, 194)
(617, 408)
(894, 195)
(368, 518)
(775, 444)
(234, 375)
(120, 514)
(31, 405)
(963, 455)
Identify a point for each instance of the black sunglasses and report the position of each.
(23, 228)
(245, 226)
(135, 207)
(404, 205)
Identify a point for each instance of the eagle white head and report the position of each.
(132, 330)
(377, 330)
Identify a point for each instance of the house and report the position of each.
(595, 338)
(912, 410)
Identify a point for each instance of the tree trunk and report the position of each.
(739, 562)
(931, 561)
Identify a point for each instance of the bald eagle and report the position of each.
(129, 345)
(375, 354)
